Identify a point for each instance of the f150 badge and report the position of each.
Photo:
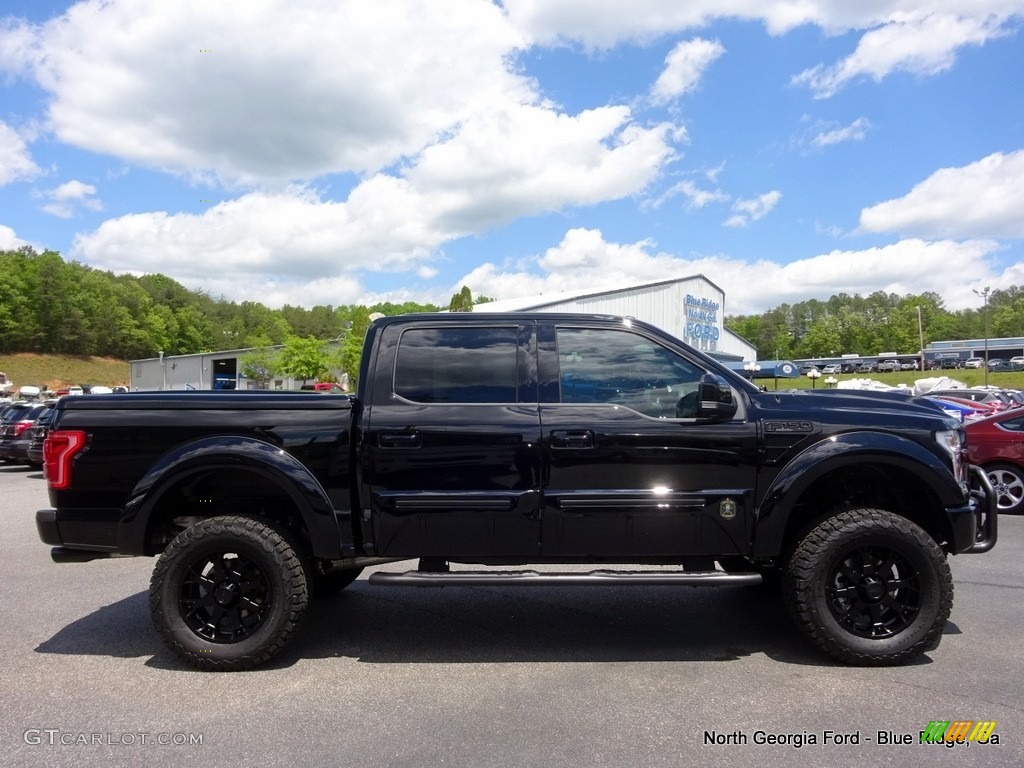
(788, 426)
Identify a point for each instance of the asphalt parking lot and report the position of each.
(619, 676)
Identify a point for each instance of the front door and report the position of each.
(631, 471)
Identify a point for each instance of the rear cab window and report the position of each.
(458, 365)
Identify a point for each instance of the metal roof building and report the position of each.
(690, 308)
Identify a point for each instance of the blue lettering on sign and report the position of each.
(702, 331)
(701, 317)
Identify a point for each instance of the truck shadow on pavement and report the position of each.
(454, 625)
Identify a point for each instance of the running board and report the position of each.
(572, 579)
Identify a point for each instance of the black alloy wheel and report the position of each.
(225, 597)
(874, 592)
(869, 587)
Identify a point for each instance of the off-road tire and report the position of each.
(228, 593)
(869, 587)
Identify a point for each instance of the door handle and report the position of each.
(399, 440)
(566, 439)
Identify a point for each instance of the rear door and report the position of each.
(451, 448)
(631, 471)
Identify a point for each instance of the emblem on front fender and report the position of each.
(727, 509)
(788, 426)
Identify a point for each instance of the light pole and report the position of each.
(920, 331)
(814, 374)
(984, 295)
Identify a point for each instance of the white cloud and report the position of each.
(920, 45)
(684, 66)
(15, 161)
(9, 241)
(753, 209)
(983, 199)
(855, 131)
(280, 92)
(391, 223)
(605, 23)
(696, 197)
(66, 198)
(918, 36)
(585, 261)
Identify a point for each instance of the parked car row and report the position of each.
(22, 430)
(889, 364)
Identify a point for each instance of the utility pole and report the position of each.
(984, 295)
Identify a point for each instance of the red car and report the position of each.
(996, 444)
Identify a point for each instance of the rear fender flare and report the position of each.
(258, 456)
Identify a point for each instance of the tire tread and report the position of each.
(799, 575)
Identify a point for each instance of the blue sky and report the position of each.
(328, 152)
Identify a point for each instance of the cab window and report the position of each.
(623, 368)
(457, 365)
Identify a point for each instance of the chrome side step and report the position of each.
(572, 579)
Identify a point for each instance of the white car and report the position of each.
(974, 362)
(832, 369)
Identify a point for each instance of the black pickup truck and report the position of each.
(495, 441)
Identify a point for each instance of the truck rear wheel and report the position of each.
(869, 588)
(228, 593)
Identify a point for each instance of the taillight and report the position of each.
(59, 448)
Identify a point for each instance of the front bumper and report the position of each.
(987, 513)
(975, 526)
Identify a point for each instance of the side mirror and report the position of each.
(715, 398)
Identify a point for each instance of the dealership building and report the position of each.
(689, 308)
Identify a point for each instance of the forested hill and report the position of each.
(49, 305)
(53, 306)
(881, 322)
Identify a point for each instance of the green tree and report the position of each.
(461, 301)
(351, 349)
(260, 364)
(304, 358)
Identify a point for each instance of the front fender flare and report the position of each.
(835, 452)
(231, 452)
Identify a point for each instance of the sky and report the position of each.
(333, 152)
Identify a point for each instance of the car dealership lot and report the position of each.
(614, 676)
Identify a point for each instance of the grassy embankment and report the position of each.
(56, 371)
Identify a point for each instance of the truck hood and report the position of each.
(826, 404)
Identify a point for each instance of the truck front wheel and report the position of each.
(228, 593)
(869, 588)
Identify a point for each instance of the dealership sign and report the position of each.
(701, 321)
